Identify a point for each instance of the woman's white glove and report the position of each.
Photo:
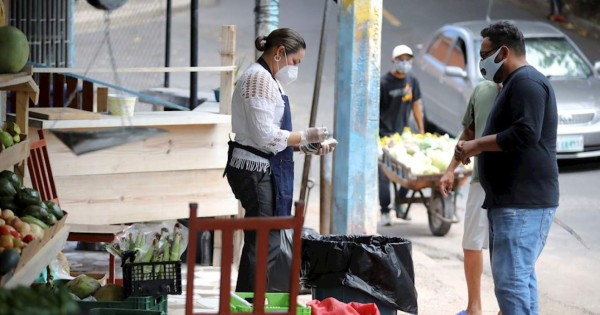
(313, 135)
(319, 148)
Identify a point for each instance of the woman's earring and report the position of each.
(277, 58)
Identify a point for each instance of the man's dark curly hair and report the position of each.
(504, 33)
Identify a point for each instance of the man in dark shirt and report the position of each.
(517, 166)
(400, 96)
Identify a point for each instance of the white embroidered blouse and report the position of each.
(256, 112)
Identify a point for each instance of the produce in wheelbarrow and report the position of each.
(422, 154)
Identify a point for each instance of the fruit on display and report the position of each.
(9, 259)
(10, 135)
(110, 292)
(422, 154)
(83, 286)
(14, 49)
(38, 300)
(24, 217)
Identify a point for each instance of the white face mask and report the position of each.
(287, 74)
(488, 66)
(403, 66)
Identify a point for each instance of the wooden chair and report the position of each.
(42, 180)
(262, 226)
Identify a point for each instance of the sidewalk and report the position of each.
(439, 276)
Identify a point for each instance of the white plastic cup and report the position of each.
(120, 105)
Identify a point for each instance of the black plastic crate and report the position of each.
(154, 278)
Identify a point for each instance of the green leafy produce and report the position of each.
(37, 301)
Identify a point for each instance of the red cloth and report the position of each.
(331, 306)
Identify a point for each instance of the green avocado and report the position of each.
(6, 188)
(27, 197)
(8, 260)
(54, 209)
(12, 178)
(8, 203)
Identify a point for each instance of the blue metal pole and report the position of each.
(357, 117)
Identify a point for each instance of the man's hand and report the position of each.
(446, 184)
(464, 150)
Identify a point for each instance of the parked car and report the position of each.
(447, 68)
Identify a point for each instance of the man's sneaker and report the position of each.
(401, 212)
(385, 219)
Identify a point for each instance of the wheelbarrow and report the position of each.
(441, 211)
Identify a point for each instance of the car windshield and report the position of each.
(553, 57)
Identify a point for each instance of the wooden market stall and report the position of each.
(38, 253)
(148, 180)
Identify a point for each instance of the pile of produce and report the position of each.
(84, 287)
(145, 243)
(24, 217)
(39, 300)
(10, 135)
(422, 154)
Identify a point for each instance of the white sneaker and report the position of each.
(386, 220)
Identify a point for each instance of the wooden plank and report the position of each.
(13, 155)
(134, 197)
(61, 113)
(58, 90)
(87, 102)
(13, 79)
(101, 100)
(22, 120)
(228, 34)
(190, 147)
(3, 106)
(72, 97)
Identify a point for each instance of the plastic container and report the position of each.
(144, 303)
(153, 279)
(275, 302)
(347, 295)
(117, 311)
(120, 105)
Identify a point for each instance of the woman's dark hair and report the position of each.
(504, 33)
(286, 37)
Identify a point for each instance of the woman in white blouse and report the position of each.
(260, 166)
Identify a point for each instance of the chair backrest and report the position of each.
(262, 226)
(40, 171)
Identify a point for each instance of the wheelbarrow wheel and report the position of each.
(443, 206)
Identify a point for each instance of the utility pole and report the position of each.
(357, 117)
(266, 17)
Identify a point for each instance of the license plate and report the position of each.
(572, 143)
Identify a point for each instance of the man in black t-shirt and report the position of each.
(400, 96)
(517, 166)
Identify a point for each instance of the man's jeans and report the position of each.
(517, 237)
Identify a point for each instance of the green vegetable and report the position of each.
(176, 247)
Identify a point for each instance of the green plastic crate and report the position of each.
(141, 303)
(275, 302)
(118, 311)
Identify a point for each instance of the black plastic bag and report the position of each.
(279, 276)
(379, 266)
